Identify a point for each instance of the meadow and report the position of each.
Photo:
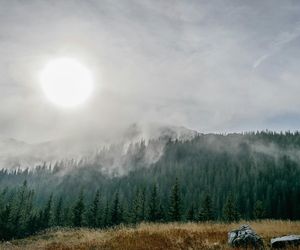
(151, 236)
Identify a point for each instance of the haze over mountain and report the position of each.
(19, 154)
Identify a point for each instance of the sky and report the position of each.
(212, 66)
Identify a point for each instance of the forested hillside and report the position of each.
(210, 177)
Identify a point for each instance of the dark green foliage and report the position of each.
(259, 210)
(95, 212)
(239, 164)
(78, 211)
(116, 211)
(206, 211)
(191, 215)
(153, 205)
(175, 203)
(106, 216)
(58, 217)
(230, 211)
(47, 213)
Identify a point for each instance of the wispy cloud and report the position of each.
(278, 44)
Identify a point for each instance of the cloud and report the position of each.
(278, 44)
(186, 63)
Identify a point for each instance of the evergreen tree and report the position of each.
(230, 212)
(106, 216)
(5, 227)
(116, 211)
(58, 216)
(94, 213)
(78, 211)
(191, 213)
(175, 203)
(206, 211)
(47, 213)
(258, 210)
(153, 205)
(161, 216)
(136, 208)
(143, 205)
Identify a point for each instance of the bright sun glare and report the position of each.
(66, 82)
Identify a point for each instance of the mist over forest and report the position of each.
(216, 177)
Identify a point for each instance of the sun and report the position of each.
(66, 82)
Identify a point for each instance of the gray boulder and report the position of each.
(285, 241)
(245, 237)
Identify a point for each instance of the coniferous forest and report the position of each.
(208, 178)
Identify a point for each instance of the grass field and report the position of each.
(151, 236)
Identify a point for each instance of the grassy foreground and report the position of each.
(151, 236)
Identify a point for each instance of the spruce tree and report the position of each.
(106, 216)
(58, 216)
(206, 211)
(161, 216)
(143, 205)
(136, 207)
(78, 211)
(259, 210)
(116, 211)
(175, 203)
(153, 205)
(47, 213)
(230, 212)
(94, 213)
(191, 213)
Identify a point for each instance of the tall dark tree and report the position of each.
(78, 211)
(258, 210)
(143, 204)
(58, 216)
(116, 211)
(206, 211)
(106, 216)
(94, 213)
(153, 204)
(47, 213)
(136, 207)
(191, 215)
(175, 203)
(230, 211)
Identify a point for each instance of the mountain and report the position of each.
(250, 172)
(19, 154)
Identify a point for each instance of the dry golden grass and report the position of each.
(151, 236)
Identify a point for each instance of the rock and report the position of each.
(245, 237)
(284, 241)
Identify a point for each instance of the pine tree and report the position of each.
(191, 213)
(58, 217)
(175, 203)
(47, 213)
(259, 210)
(206, 211)
(17, 207)
(161, 213)
(106, 216)
(230, 212)
(94, 213)
(136, 207)
(153, 205)
(116, 211)
(78, 211)
(143, 205)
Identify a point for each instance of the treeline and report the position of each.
(248, 176)
(21, 217)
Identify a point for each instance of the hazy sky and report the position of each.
(213, 66)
